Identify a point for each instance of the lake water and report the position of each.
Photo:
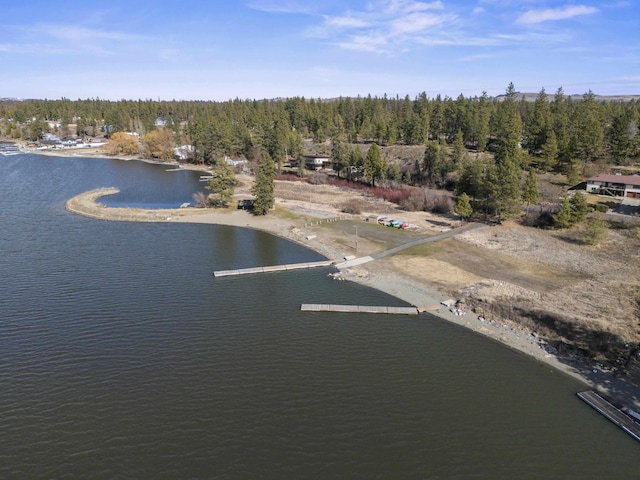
(121, 356)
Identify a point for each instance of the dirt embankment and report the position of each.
(583, 301)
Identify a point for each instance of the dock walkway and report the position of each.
(272, 268)
(319, 307)
(340, 265)
(420, 241)
(622, 420)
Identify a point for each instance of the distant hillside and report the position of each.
(530, 97)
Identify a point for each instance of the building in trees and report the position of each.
(615, 185)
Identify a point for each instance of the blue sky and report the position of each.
(219, 50)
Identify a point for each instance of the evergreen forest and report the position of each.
(480, 146)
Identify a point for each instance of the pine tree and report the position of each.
(374, 165)
(564, 217)
(549, 158)
(507, 195)
(587, 139)
(301, 164)
(395, 172)
(459, 151)
(355, 161)
(530, 193)
(222, 185)
(463, 206)
(508, 174)
(621, 137)
(537, 125)
(482, 116)
(596, 232)
(338, 156)
(472, 177)
(579, 207)
(430, 161)
(444, 166)
(264, 187)
(561, 124)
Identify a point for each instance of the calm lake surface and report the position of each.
(121, 356)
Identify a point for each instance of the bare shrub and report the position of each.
(435, 201)
(441, 203)
(393, 195)
(318, 178)
(201, 199)
(352, 206)
(538, 219)
(289, 177)
(415, 202)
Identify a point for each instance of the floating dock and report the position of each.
(272, 268)
(625, 422)
(318, 307)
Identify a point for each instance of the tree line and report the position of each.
(552, 133)
(556, 131)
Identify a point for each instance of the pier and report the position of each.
(614, 414)
(272, 268)
(318, 307)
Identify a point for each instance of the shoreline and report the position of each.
(379, 274)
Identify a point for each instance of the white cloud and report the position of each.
(61, 39)
(551, 14)
(386, 26)
(280, 6)
(80, 34)
(395, 26)
(476, 58)
(410, 6)
(416, 23)
(366, 43)
(346, 22)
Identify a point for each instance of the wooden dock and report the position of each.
(272, 268)
(625, 422)
(318, 307)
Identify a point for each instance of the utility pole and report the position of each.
(356, 227)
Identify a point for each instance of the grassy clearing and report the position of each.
(483, 263)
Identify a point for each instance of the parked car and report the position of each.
(246, 204)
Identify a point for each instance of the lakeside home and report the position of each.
(627, 186)
(317, 162)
